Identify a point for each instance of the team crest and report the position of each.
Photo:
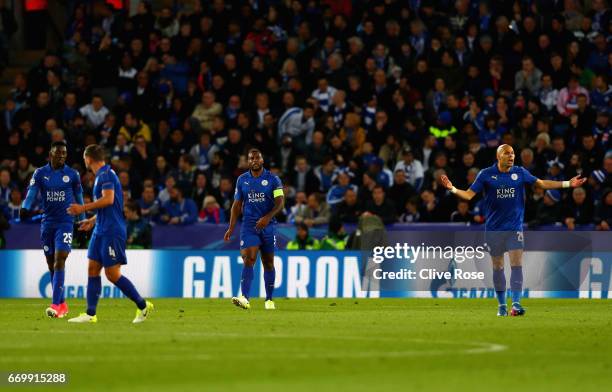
(66, 179)
(514, 176)
(264, 183)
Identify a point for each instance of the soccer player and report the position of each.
(504, 198)
(59, 186)
(107, 245)
(259, 197)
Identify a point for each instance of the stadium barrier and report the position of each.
(210, 236)
(304, 274)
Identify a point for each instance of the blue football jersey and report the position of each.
(109, 220)
(257, 195)
(504, 196)
(58, 189)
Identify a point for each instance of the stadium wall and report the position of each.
(216, 274)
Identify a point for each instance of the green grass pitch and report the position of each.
(316, 345)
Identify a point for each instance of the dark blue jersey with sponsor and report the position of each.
(504, 196)
(58, 189)
(257, 195)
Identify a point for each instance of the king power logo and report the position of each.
(506, 193)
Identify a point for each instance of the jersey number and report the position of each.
(67, 238)
(111, 252)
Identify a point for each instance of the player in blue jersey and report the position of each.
(59, 186)
(107, 245)
(259, 197)
(504, 200)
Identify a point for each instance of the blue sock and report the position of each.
(94, 288)
(516, 283)
(58, 286)
(499, 282)
(127, 288)
(269, 277)
(245, 281)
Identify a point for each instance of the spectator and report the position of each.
(567, 103)
(303, 240)
(412, 168)
(202, 153)
(603, 216)
(133, 127)
(579, 210)
(179, 210)
(298, 123)
(411, 211)
(529, 77)
(462, 213)
(94, 112)
(139, 234)
(148, 204)
(336, 193)
(400, 191)
(381, 206)
(6, 185)
(323, 94)
(206, 110)
(336, 238)
(211, 212)
(548, 211)
(316, 212)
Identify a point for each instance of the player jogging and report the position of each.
(59, 186)
(107, 245)
(259, 197)
(504, 197)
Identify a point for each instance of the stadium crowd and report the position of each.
(359, 106)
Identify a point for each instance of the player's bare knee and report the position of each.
(94, 269)
(112, 275)
(60, 261)
(249, 260)
(498, 262)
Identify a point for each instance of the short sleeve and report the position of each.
(478, 184)
(528, 177)
(238, 192)
(106, 181)
(277, 188)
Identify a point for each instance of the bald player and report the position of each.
(504, 197)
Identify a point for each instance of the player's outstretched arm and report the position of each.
(234, 214)
(107, 199)
(465, 195)
(572, 183)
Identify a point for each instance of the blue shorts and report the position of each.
(500, 242)
(56, 238)
(107, 249)
(265, 239)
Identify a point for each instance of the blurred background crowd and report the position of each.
(359, 106)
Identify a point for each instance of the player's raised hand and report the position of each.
(228, 234)
(75, 209)
(577, 181)
(262, 222)
(446, 182)
(86, 225)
